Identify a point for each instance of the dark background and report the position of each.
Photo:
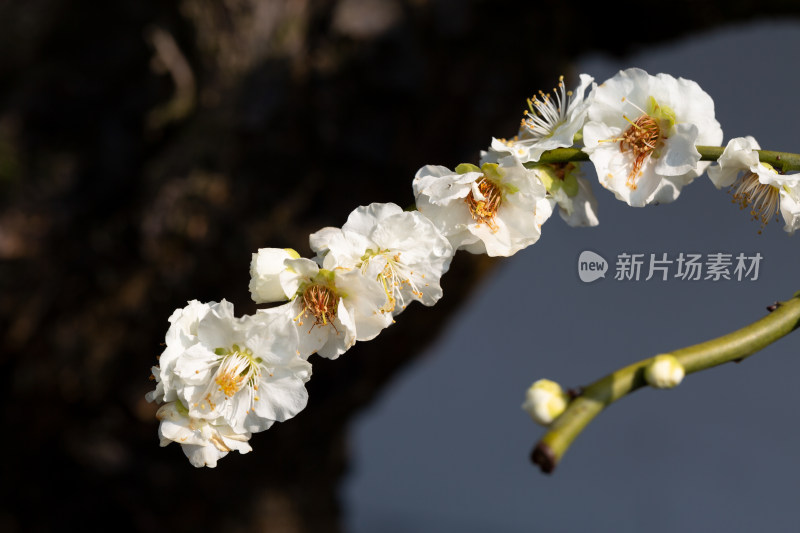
(147, 148)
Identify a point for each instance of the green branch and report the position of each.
(782, 161)
(593, 399)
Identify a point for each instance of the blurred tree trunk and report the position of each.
(148, 147)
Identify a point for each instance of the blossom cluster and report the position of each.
(222, 378)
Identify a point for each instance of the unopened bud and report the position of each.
(265, 268)
(664, 372)
(545, 401)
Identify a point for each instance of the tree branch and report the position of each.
(781, 161)
(735, 346)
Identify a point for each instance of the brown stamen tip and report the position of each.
(641, 139)
(763, 200)
(484, 211)
(543, 456)
(321, 302)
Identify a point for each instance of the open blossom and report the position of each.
(549, 122)
(642, 131)
(330, 309)
(757, 185)
(497, 209)
(204, 442)
(244, 371)
(402, 250)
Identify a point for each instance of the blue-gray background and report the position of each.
(446, 446)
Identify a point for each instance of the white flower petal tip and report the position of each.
(497, 209)
(664, 372)
(203, 442)
(757, 186)
(549, 122)
(641, 133)
(545, 401)
(402, 250)
(265, 267)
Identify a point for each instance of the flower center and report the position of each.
(237, 369)
(641, 139)
(763, 200)
(393, 278)
(483, 206)
(320, 302)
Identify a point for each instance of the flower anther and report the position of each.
(238, 368)
(641, 139)
(320, 302)
(483, 201)
(545, 114)
(764, 200)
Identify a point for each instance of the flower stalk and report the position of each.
(783, 161)
(594, 398)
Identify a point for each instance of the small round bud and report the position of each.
(545, 401)
(664, 372)
(265, 268)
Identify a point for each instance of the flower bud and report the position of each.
(265, 267)
(545, 401)
(664, 372)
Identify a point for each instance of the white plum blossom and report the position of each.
(642, 131)
(549, 123)
(332, 309)
(245, 371)
(757, 185)
(265, 286)
(203, 442)
(497, 209)
(402, 250)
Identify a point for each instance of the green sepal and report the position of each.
(220, 351)
(549, 176)
(463, 168)
(662, 113)
(570, 184)
(492, 171)
(325, 276)
(181, 408)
